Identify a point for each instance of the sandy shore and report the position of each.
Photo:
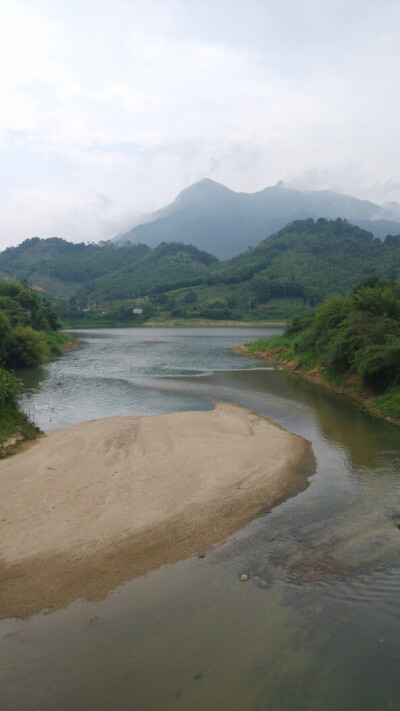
(86, 508)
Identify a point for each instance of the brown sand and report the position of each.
(87, 508)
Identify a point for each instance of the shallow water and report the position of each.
(317, 624)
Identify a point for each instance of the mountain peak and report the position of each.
(223, 222)
(204, 188)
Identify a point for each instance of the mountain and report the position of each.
(221, 221)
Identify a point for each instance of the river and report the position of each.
(316, 626)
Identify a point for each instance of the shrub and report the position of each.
(9, 387)
(378, 366)
(26, 348)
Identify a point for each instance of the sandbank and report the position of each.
(89, 507)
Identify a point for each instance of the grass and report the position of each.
(14, 428)
(261, 345)
(58, 343)
(388, 404)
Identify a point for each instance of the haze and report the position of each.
(108, 110)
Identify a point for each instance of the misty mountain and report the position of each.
(221, 221)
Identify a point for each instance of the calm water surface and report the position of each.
(324, 633)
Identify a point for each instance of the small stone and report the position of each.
(244, 576)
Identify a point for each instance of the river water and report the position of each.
(316, 626)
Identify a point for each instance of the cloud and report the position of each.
(135, 100)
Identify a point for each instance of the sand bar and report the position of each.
(87, 508)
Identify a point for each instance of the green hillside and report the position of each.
(309, 259)
(59, 267)
(166, 267)
(295, 268)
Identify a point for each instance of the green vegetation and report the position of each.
(351, 342)
(168, 266)
(286, 273)
(24, 319)
(28, 337)
(310, 259)
(59, 343)
(60, 268)
(388, 404)
(14, 425)
(282, 276)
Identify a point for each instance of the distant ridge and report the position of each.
(223, 222)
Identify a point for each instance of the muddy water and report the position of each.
(316, 626)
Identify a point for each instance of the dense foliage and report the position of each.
(311, 259)
(297, 267)
(357, 334)
(287, 272)
(168, 266)
(24, 318)
(61, 267)
(14, 425)
(8, 388)
(28, 336)
(352, 340)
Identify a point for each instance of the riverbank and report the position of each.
(316, 375)
(99, 503)
(59, 342)
(202, 322)
(15, 427)
(174, 323)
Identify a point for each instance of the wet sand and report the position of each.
(87, 508)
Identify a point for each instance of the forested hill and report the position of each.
(300, 266)
(295, 268)
(168, 266)
(310, 259)
(59, 268)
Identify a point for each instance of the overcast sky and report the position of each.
(109, 109)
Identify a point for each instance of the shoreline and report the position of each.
(97, 504)
(315, 378)
(204, 323)
(171, 323)
(24, 430)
